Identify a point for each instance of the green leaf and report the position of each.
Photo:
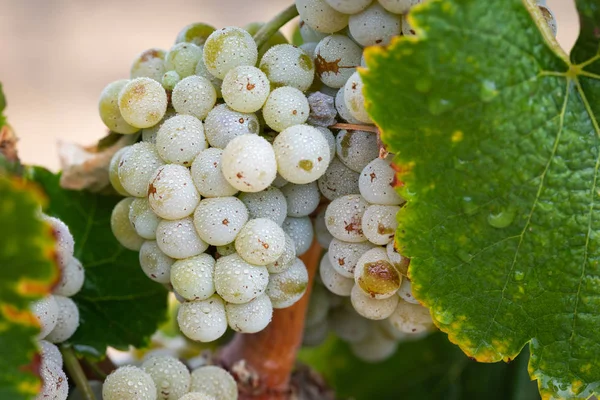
(498, 145)
(119, 306)
(27, 273)
(431, 368)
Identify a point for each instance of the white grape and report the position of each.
(370, 308)
(301, 231)
(286, 106)
(218, 220)
(302, 200)
(375, 347)
(224, 124)
(179, 239)
(225, 250)
(137, 166)
(399, 6)
(155, 264)
(180, 139)
(171, 377)
(196, 396)
(323, 236)
(245, 89)
(407, 29)
(287, 287)
(203, 320)
(46, 312)
(376, 183)
(356, 149)
(149, 134)
(192, 278)
(308, 34)
(170, 79)
(332, 280)
(183, 58)
(279, 181)
(122, 228)
(109, 109)
(50, 352)
(208, 176)
(171, 192)
(374, 26)
(55, 385)
(237, 281)
(355, 99)
(338, 181)
(149, 64)
(398, 260)
(316, 334)
(411, 318)
(349, 325)
(261, 241)
(143, 219)
(330, 138)
(405, 292)
(302, 154)
(287, 65)
(202, 71)
(349, 6)
(376, 276)
(228, 48)
(318, 306)
(344, 218)
(71, 279)
(250, 317)
(340, 106)
(214, 381)
(336, 59)
(113, 172)
(343, 256)
(194, 95)
(67, 321)
(65, 244)
(309, 49)
(196, 33)
(269, 203)
(320, 16)
(129, 383)
(248, 163)
(286, 259)
(379, 223)
(142, 102)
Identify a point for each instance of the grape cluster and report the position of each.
(167, 378)
(57, 314)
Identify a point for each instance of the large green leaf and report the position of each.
(498, 144)
(119, 306)
(431, 368)
(27, 273)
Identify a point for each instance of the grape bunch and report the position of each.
(167, 378)
(57, 314)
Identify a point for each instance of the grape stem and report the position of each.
(270, 28)
(355, 127)
(76, 372)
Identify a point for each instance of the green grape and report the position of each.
(143, 102)
(183, 58)
(287, 65)
(113, 172)
(122, 228)
(228, 48)
(194, 95)
(109, 109)
(195, 33)
(285, 106)
(170, 79)
(149, 64)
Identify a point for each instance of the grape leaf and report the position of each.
(27, 273)
(497, 142)
(430, 368)
(118, 305)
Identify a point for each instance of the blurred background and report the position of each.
(56, 56)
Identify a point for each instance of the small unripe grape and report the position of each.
(113, 172)
(261, 241)
(143, 219)
(218, 220)
(171, 377)
(301, 231)
(355, 99)
(214, 381)
(170, 79)
(239, 282)
(336, 59)
(245, 89)
(171, 192)
(224, 124)
(196, 33)
(142, 102)
(192, 278)
(344, 255)
(225, 250)
(248, 163)
(67, 321)
(155, 264)
(287, 65)
(286, 106)
(149, 64)
(203, 320)
(321, 16)
(194, 95)
(269, 203)
(46, 312)
(332, 280)
(137, 166)
(376, 276)
(287, 287)
(129, 383)
(122, 228)
(178, 238)
(229, 48)
(250, 317)
(208, 176)
(109, 109)
(376, 183)
(180, 139)
(183, 58)
(344, 218)
(71, 279)
(372, 308)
